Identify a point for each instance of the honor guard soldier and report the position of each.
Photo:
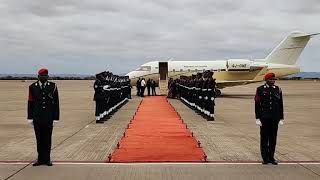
(128, 81)
(204, 93)
(269, 114)
(99, 97)
(43, 113)
(199, 91)
(211, 96)
(193, 91)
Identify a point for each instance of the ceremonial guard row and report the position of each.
(198, 92)
(111, 92)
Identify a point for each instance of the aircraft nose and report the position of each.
(129, 74)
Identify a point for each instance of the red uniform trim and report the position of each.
(30, 98)
(257, 98)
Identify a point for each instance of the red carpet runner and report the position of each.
(157, 134)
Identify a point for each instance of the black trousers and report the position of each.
(268, 138)
(129, 93)
(138, 90)
(99, 107)
(43, 136)
(142, 91)
(211, 105)
(148, 87)
(153, 91)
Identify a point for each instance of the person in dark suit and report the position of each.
(43, 114)
(138, 87)
(149, 86)
(153, 87)
(269, 114)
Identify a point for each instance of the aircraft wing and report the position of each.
(258, 77)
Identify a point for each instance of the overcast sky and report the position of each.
(87, 36)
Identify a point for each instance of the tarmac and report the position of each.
(231, 142)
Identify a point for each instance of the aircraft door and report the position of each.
(163, 70)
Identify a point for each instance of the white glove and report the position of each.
(258, 122)
(30, 121)
(55, 123)
(281, 122)
(106, 87)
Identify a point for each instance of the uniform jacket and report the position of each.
(212, 87)
(268, 102)
(43, 103)
(98, 90)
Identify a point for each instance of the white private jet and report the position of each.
(232, 72)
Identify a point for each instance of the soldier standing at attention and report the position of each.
(269, 114)
(99, 97)
(43, 113)
(199, 92)
(128, 81)
(211, 96)
(204, 93)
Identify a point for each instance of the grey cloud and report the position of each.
(88, 36)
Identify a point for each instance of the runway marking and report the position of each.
(164, 163)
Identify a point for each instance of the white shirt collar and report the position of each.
(45, 83)
(267, 86)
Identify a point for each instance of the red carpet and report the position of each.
(157, 134)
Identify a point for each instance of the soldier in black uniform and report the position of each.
(269, 114)
(204, 93)
(192, 91)
(99, 97)
(128, 86)
(211, 96)
(199, 91)
(43, 113)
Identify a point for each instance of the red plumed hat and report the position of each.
(43, 72)
(269, 76)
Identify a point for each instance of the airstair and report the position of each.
(163, 87)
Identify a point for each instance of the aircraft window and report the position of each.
(144, 68)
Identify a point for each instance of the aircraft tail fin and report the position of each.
(290, 48)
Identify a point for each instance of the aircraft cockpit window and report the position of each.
(144, 68)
